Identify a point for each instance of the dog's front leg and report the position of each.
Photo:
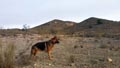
(49, 55)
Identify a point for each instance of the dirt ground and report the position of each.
(71, 52)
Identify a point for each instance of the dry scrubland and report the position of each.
(72, 52)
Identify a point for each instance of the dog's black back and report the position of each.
(40, 45)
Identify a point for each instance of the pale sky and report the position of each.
(16, 13)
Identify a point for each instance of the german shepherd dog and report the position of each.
(44, 46)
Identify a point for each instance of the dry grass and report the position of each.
(7, 56)
(1, 57)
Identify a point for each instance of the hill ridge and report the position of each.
(91, 25)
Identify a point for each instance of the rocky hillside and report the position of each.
(53, 27)
(93, 26)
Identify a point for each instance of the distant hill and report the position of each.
(96, 26)
(89, 27)
(53, 27)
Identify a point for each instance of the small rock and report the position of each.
(109, 60)
(34, 65)
(49, 64)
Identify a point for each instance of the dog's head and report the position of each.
(55, 39)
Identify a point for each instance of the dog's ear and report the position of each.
(55, 37)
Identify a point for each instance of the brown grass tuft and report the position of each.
(7, 56)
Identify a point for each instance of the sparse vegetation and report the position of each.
(72, 52)
(99, 22)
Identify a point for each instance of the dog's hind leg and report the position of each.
(33, 53)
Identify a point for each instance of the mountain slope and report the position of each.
(95, 25)
(53, 27)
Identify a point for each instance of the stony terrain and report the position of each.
(72, 52)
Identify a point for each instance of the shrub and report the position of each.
(99, 22)
(72, 59)
(103, 46)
